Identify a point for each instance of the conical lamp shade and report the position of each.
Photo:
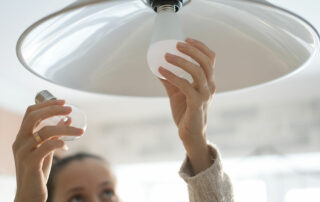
(101, 46)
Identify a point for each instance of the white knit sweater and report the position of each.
(210, 185)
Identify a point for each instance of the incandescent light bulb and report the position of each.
(77, 117)
(167, 33)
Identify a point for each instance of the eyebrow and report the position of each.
(105, 183)
(76, 189)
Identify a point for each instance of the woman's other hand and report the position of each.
(190, 102)
(33, 156)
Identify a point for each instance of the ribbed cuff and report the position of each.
(211, 184)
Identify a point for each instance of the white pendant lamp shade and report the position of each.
(101, 46)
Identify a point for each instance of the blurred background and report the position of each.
(269, 136)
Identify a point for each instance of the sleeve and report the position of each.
(210, 185)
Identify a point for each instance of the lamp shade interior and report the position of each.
(102, 46)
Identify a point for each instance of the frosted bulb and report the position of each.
(167, 33)
(77, 117)
(156, 58)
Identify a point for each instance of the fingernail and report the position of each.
(161, 68)
(190, 40)
(162, 71)
(170, 56)
(182, 45)
(80, 131)
(60, 101)
(65, 148)
(67, 109)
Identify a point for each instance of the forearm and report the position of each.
(198, 153)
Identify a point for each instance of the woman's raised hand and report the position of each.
(33, 150)
(190, 102)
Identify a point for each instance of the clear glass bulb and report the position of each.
(167, 33)
(76, 118)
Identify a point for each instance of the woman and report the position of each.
(88, 175)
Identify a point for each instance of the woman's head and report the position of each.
(81, 178)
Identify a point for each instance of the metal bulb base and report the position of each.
(155, 4)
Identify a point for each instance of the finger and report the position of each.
(205, 62)
(37, 156)
(209, 71)
(35, 107)
(182, 84)
(26, 130)
(36, 116)
(195, 71)
(49, 132)
(202, 47)
(171, 89)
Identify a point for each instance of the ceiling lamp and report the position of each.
(102, 46)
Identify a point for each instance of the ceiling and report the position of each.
(18, 86)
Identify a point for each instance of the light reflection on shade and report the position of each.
(37, 38)
(53, 53)
(47, 45)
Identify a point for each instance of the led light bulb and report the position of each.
(167, 33)
(77, 117)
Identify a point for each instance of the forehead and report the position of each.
(87, 173)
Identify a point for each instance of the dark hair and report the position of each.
(58, 164)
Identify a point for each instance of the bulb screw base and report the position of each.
(156, 4)
(165, 8)
(43, 96)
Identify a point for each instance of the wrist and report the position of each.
(193, 141)
(24, 199)
(196, 149)
(28, 195)
(189, 136)
(18, 198)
